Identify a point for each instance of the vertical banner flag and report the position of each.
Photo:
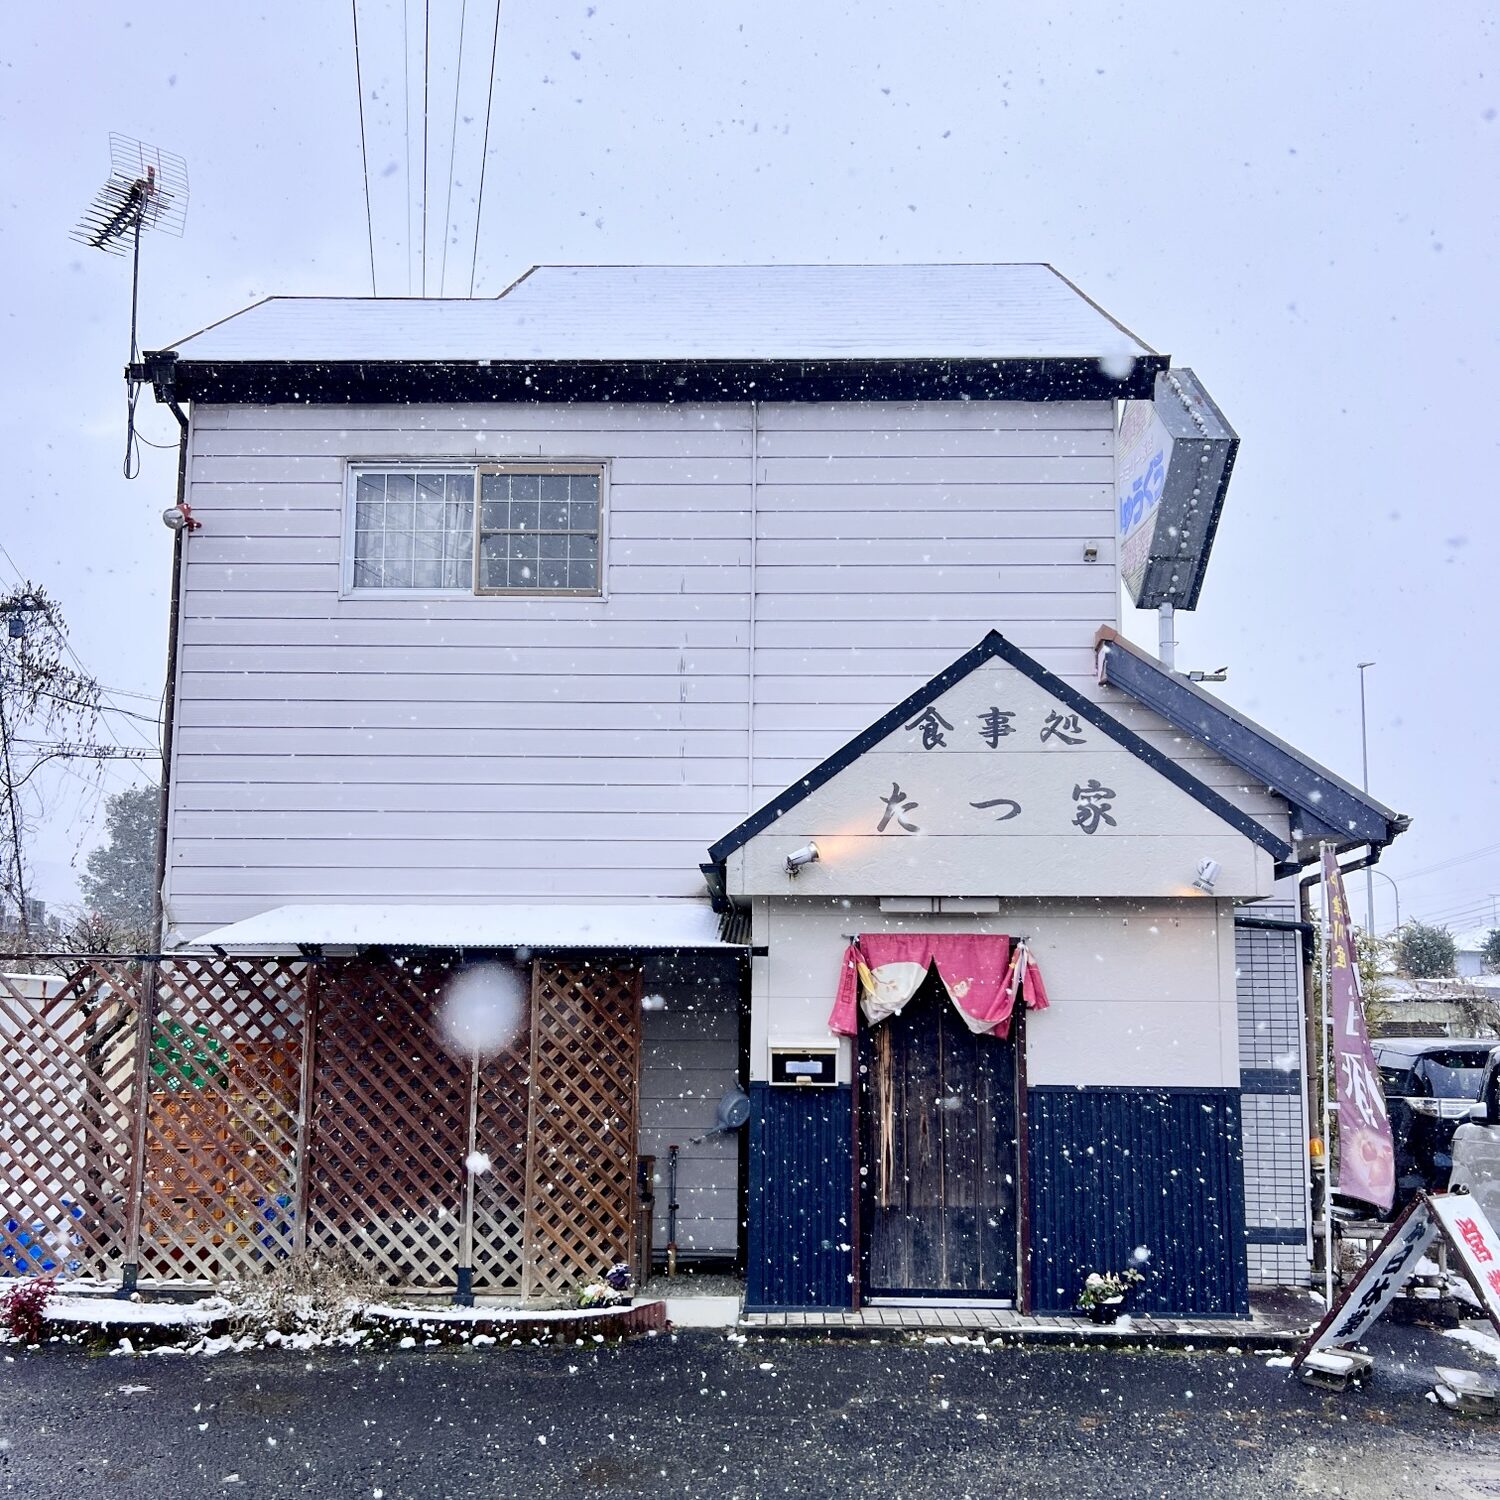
(1367, 1157)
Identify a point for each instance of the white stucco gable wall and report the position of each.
(1006, 784)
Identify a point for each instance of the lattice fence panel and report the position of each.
(219, 1188)
(585, 1070)
(500, 1193)
(390, 1124)
(67, 1077)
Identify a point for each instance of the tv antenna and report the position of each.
(147, 188)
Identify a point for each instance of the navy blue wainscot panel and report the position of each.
(1115, 1170)
(799, 1235)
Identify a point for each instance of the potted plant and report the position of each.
(613, 1290)
(1104, 1292)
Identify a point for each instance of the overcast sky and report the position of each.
(1297, 201)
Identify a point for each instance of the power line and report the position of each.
(458, 78)
(426, 78)
(1470, 911)
(484, 158)
(87, 675)
(106, 708)
(1457, 859)
(406, 124)
(84, 749)
(364, 154)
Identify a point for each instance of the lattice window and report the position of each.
(67, 1081)
(585, 1069)
(223, 1078)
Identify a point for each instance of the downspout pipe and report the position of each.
(146, 1012)
(1281, 924)
(169, 697)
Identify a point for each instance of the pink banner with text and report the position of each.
(1367, 1157)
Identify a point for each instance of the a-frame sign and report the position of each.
(1469, 1235)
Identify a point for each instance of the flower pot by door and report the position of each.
(1107, 1312)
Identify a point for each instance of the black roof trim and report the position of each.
(992, 646)
(359, 382)
(1325, 805)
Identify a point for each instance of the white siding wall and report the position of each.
(336, 747)
(690, 1058)
(1142, 992)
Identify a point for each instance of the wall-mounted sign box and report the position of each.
(815, 1067)
(1173, 458)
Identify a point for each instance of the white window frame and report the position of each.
(475, 466)
(514, 466)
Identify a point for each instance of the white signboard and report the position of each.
(1475, 1243)
(1143, 451)
(1173, 457)
(1461, 1222)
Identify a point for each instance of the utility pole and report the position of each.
(37, 692)
(13, 817)
(1364, 751)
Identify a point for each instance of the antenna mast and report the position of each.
(147, 188)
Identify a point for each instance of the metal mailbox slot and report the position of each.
(804, 1067)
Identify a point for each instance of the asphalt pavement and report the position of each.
(705, 1415)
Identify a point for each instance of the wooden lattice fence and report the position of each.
(389, 1123)
(67, 1089)
(223, 1081)
(585, 1085)
(291, 1105)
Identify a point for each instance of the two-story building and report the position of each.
(734, 652)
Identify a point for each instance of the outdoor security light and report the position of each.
(1208, 873)
(179, 517)
(653, 1002)
(806, 855)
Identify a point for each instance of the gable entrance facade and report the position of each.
(1097, 1127)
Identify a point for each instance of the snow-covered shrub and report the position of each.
(312, 1292)
(23, 1306)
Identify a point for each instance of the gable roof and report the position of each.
(694, 312)
(994, 645)
(769, 332)
(1325, 805)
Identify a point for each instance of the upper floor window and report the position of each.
(535, 528)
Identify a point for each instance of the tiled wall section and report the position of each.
(1269, 967)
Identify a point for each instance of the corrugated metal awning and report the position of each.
(649, 925)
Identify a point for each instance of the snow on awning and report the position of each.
(641, 925)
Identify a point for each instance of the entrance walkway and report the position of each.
(1278, 1319)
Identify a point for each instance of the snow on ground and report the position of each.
(1476, 1338)
(481, 1314)
(106, 1311)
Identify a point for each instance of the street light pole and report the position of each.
(1364, 751)
(1396, 889)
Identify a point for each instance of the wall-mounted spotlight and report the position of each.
(180, 518)
(1208, 873)
(806, 855)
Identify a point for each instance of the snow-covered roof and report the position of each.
(781, 312)
(648, 925)
(1473, 940)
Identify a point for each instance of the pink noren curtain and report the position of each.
(983, 977)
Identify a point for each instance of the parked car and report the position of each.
(1476, 1144)
(1431, 1085)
